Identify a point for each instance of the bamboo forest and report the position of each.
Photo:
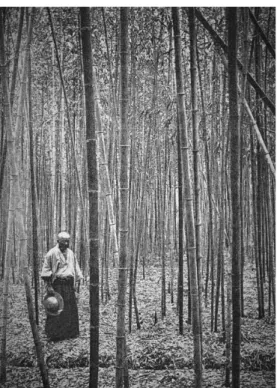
(137, 197)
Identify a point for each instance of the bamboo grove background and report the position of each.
(45, 91)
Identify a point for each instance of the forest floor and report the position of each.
(158, 356)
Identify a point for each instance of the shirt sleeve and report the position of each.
(47, 267)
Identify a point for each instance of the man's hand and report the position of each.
(77, 286)
(50, 291)
(77, 291)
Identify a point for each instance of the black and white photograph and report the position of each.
(137, 195)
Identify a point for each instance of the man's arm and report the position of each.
(48, 284)
(46, 275)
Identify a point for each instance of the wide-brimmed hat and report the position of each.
(53, 304)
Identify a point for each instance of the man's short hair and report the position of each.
(63, 236)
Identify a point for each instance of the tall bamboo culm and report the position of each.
(188, 196)
(92, 182)
(231, 15)
(121, 359)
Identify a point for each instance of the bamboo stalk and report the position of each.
(121, 359)
(191, 243)
(92, 181)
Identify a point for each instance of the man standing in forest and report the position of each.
(61, 273)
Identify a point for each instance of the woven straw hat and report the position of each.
(53, 304)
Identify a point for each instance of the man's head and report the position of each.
(63, 240)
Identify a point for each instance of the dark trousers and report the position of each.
(65, 325)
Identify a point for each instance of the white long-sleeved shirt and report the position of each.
(61, 265)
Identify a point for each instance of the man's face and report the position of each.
(63, 244)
